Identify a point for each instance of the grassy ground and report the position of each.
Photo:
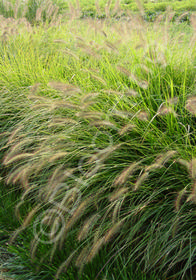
(97, 127)
(36, 10)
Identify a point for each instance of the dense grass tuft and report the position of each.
(98, 135)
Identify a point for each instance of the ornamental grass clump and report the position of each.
(115, 174)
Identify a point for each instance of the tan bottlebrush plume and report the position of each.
(145, 68)
(17, 209)
(165, 110)
(44, 106)
(55, 227)
(105, 153)
(179, 198)
(60, 104)
(54, 16)
(56, 173)
(60, 86)
(119, 93)
(14, 133)
(192, 196)
(88, 224)
(141, 180)
(89, 115)
(38, 16)
(19, 146)
(99, 79)
(88, 96)
(26, 222)
(102, 123)
(34, 88)
(50, 10)
(77, 214)
(122, 114)
(69, 201)
(126, 128)
(124, 70)
(143, 116)
(95, 248)
(17, 158)
(173, 100)
(153, 167)
(21, 175)
(161, 59)
(114, 229)
(88, 49)
(191, 105)
(94, 170)
(59, 175)
(128, 171)
(14, 175)
(162, 159)
(62, 122)
(57, 156)
(81, 259)
(52, 185)
(116, 211)
(190, 165)
(193, 21)
(87, 105)
(143, 84)
(185, 163)
(117, 194)
(63, 267)
(39, 98)
(131, 92)
(193, 168)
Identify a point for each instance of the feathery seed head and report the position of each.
(114, 229)
(143, 116)
(140, 180)
(191, 105)
(117, 194)
(126, 128)
(126, 173)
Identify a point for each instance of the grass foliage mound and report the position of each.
(97, 123)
